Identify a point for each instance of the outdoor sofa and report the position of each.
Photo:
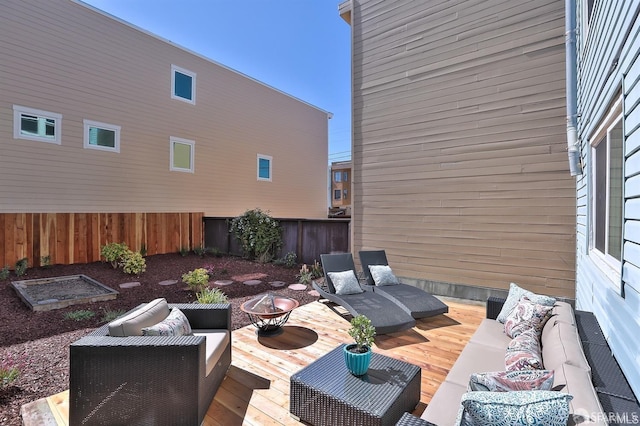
(118, 376)
(561, 351)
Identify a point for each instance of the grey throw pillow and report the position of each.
(345, 282)
(383, 275)
(515, 294)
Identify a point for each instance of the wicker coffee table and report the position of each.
(325, 393)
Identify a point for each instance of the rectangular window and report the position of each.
(181, 155)
(101, 136)
(264, 167)
(608, 196)
(36, 125)
(337, 176)
(336, 194)
(345, 176)
(183, 84)
(344, 194)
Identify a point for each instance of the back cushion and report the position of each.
(560, 345)
(145, 316)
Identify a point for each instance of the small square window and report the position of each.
(336, 194)
(264, 167)
(36, 125)
(101, 136)
(183, 85)
(181, 155)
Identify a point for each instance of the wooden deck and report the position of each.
(256, 389)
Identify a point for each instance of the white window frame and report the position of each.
(607, 263)
(270, 159)
(173, 140)
(337, 176)
(174, 69)
(18, 111)
(103, 126)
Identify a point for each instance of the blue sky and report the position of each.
(301, 47)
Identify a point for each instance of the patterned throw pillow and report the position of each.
(507, 381)
(523, 352)
(383, 275)
(526, 315)
(176, 324)
(517, 408)
(345, 282)
(515, 294)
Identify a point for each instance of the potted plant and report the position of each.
(358, 355)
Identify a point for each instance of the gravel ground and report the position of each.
(39, 340)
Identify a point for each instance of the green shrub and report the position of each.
(214, 251)
(200, 251)
(10, 370)
(183, 251)
(21, 266)
(133, 263)
(79, 315)
(4, 272)
(109, 315)
(211, 295)
(197, 279)
(113, 253)
(316, 270)
(304, 276)
(362, 332)
(259, 234)
(290, 260)
(45, 261)
(143, 250)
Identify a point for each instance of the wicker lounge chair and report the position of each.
(416, 301)
(385, 315)
(155, 380)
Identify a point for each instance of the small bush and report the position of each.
(4, 272)
(197, 279)
(79, 315)
(304, 276)
(21, 266)
(211, 295)
(210, 269)
(316, 270)
(184, 251)
(45, 261)
(10, 370)
(143, 250)
(290, 260)
(113, 253)
(214, 251)
(259, 234)
(133, 263)
(109, 315)
(200, 251)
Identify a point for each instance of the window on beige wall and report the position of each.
(264, 167)
(181, 155)
(102, 136)
(36, 125)
(183, 84)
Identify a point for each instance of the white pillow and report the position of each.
(345, 282)
(515, 294)
(176, 324)
(383, 275)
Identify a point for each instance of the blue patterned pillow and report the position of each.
(175, 324)
(517, 408)
(345, 282)
(383, 275)
(515, 294)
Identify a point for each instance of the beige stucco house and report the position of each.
(99, 116)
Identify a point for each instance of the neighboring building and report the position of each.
(97, 115)
(459, 143)
(340, 192)
(608, 191)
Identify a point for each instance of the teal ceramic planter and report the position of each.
(357, 363)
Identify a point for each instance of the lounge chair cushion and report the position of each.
(383, 275)
(515, 294)
(175, 324)
(145, 316)
(345, 282)
(507, 381)
(526, 314)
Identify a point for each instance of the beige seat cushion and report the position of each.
(145, 316)
(561, 345)
(443, 408)
(217, 341)
(491, 333)
(475, 358)
(585, 405)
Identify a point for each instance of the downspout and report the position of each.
(573, 149)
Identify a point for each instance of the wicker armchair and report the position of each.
(152, 380)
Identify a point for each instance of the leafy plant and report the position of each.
(316, 270)
(79, 315)
(143, 249)
(211, 295)
(200, 251)
(259, 234)
(305, 275)
(215, 251)
(10, 370)
(183, 251)
(290, 260)
(109, 315)
(362, 332)
(133, 263)
(45, 261)
(197, 279)
(4, 272)
(21, 266)
(113, 253)
(210, 269)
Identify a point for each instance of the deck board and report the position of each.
(256, 388)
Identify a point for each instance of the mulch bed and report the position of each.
(40, 340)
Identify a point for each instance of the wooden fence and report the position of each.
(68, 238)
(307, 238)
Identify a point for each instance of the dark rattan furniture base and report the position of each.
(325, 393)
